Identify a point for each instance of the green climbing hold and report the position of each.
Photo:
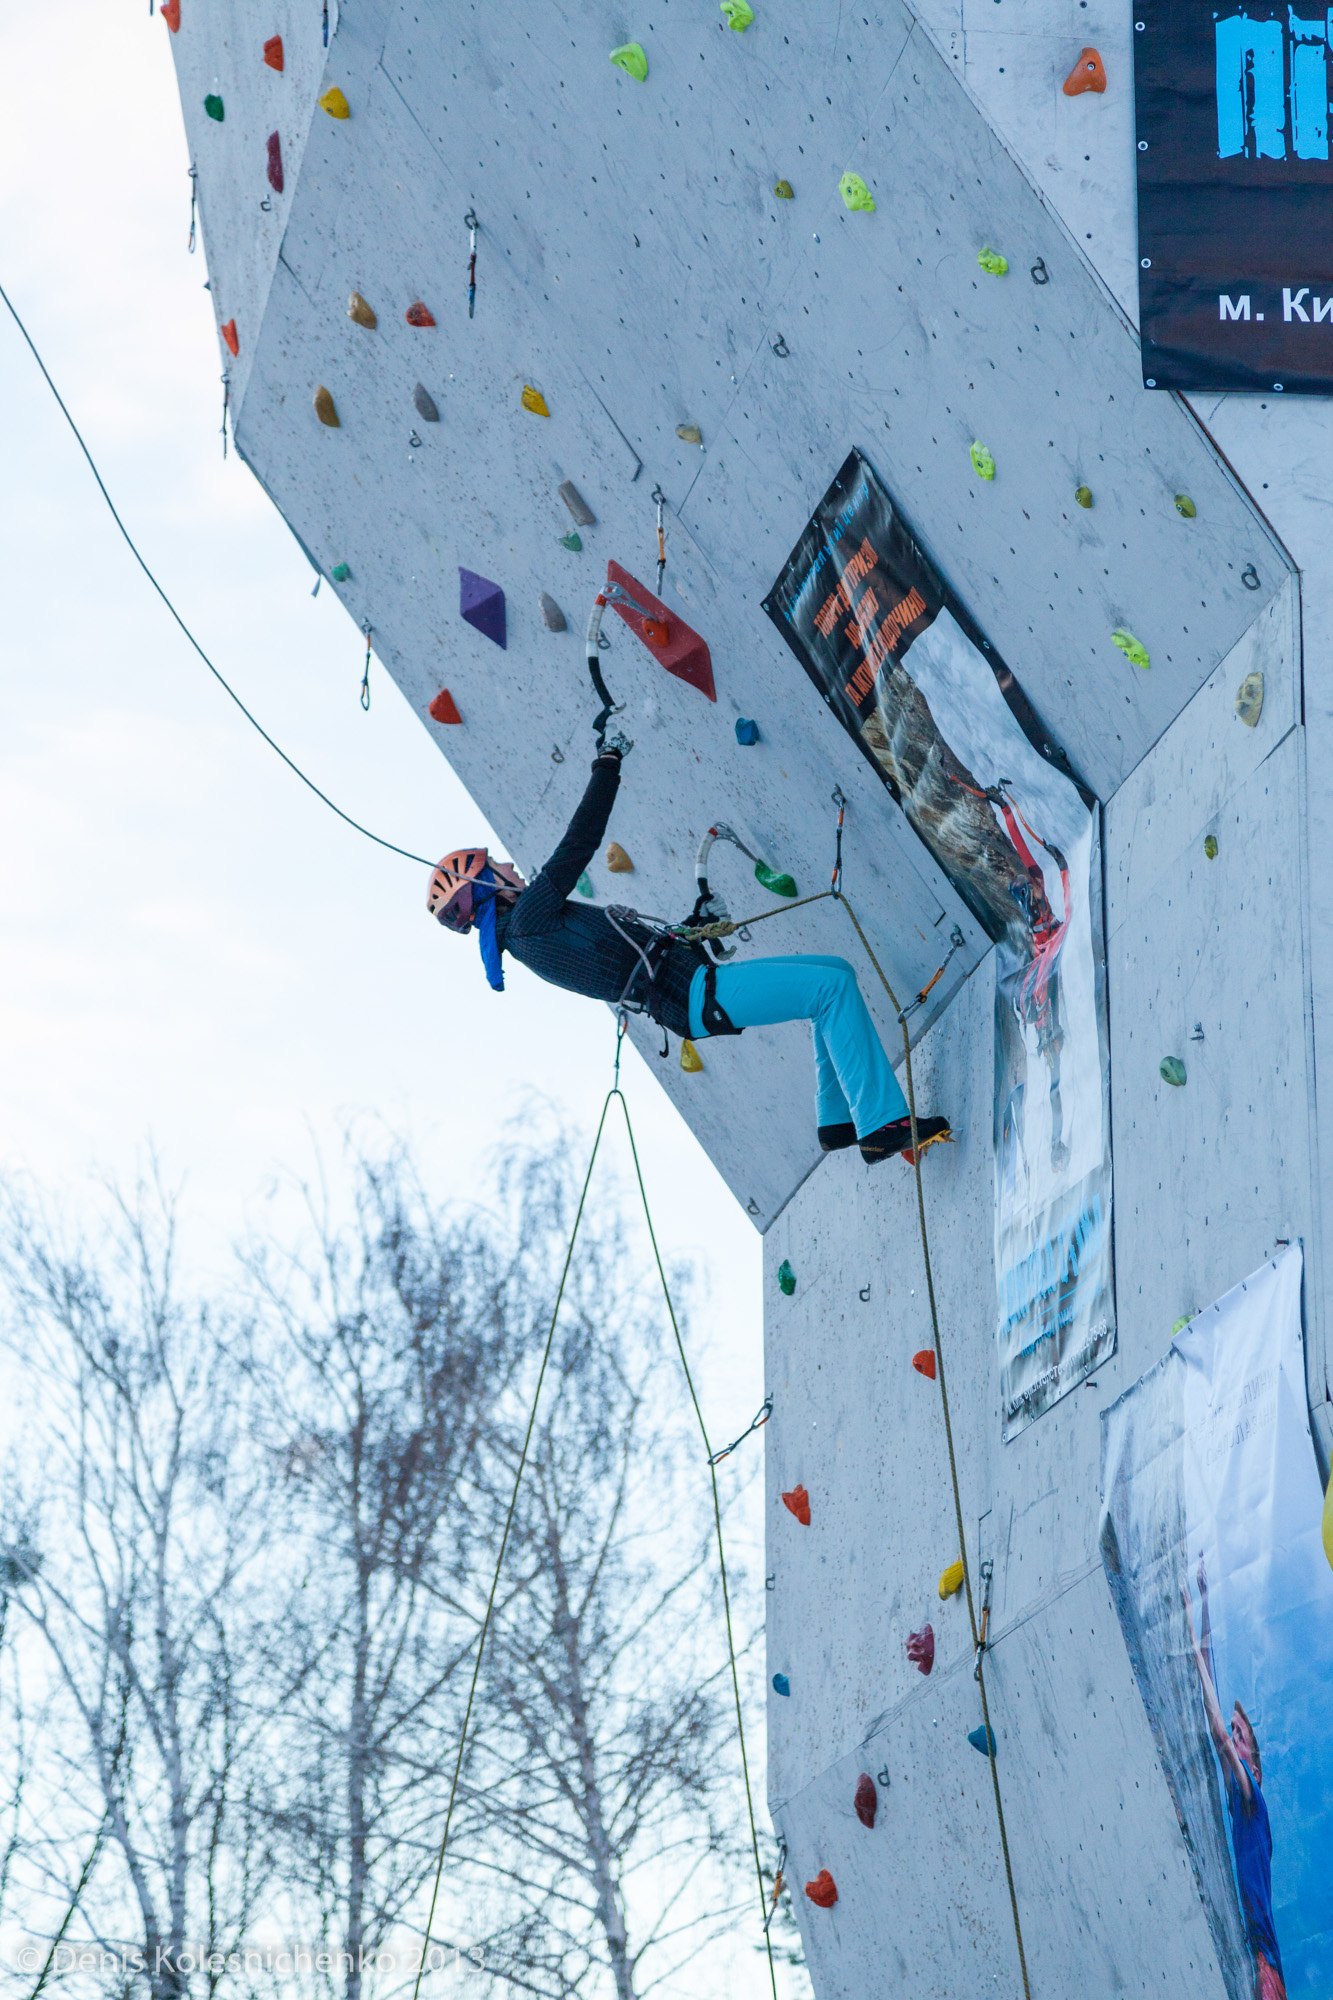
(1083, 495)
(739, 16)
(1179, 1325)
(214, 106)
(1185, 506)
(786, 1279)
(573, 540)
(1133, 649)
(584, 886)
(1210, 846)
(991, 260)
(774, 881)
(631, 58)
(784, 190)
(982, 462)
(340, 572)
(1172, 1070)
(855, 194)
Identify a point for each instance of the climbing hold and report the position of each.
(482, 604)
(992, 261)
(784, 190)
(774, 881)
(617, 860)
(747, 732)
(230, 335)
(924, 1362)
(682, 652)
(553, 618)
(273, 54)
(533, 399)
(1250, 700)
(781, 1685)
(982, 1739)
(797, 1502)
(1326, 1529)
(425, 404)
(690, 1059)
(786, 1279)
(576, 503)
(689, 434)
(418, 314)
(171, 14)
(335, 103)
(982, 462)
(739, 14)
(214, 106)
(326, 409)
(275, 178)
(823, 1890)
(1083, 495)
(1172, 1070)
(1179, 1325)
(340, 572)
(921, 1648)
(444, 708)
(951, 1580)
(631, 58)
(1185, 506)
(573, 540)
(865, 1803)
(362, 311)
(584, 885)
(855, 194)
(1087, 74)
(1210, 846)
(1133, 649)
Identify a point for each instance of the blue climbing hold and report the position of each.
(482, 604)
(982, 1739)
(747, 732)
(781, 1685)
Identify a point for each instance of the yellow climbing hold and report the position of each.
(739, 14)
(982, 462)
(362, 311)
(1185, 507)
(1133, 649)
(1328, 1524)
(631, 58)
(326, 409)
(951, 1580)
(689, 434)
(1250, 700)
(992, 261)
(533, 399)
(690, 1059)
(1083, 495)
(335, 103)
(784, 190)
(617, 860)
(855, 194)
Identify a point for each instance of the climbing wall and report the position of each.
(675, 306)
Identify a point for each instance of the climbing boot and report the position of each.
(896, 1138)
(832, 1138)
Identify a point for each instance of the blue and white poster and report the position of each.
(1211, 1541)
(1235, 174)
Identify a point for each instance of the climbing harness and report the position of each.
(470, 224)
(614, 1094)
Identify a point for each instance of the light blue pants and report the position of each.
(854, 1080)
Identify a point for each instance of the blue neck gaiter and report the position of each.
(484, 913)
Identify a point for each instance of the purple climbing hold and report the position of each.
(482, 603)
(275, 176)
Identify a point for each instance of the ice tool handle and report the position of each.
(610, 593)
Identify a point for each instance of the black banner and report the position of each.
(1235, 165)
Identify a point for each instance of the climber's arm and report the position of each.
(581, 840)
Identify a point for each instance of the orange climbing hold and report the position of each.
(444, 708)
(1088, 73)
(656, 631)
(823, 1890)
(230, 335)
(171, 14)
(924, 1362)
(419, 315)
(866, 1801)
(797, 1502)
(617, 860)
(273, 54)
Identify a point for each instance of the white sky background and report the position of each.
(196, 955)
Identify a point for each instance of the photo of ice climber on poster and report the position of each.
(1211, 1540)
(948, 729)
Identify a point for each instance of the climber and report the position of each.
(1251, 1836)
(615, 956)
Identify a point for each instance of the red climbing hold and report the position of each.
(797, 1502)
(273, 55)
(823, 1890)
(275, 180)
(681, 651)
(866, 1801)
(171, 14)
(924, 1362)
(419, 315)
(444, 708)
(230, 335)
(1087, 74)
(921, 1648)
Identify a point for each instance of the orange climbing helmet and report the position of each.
(451, 897)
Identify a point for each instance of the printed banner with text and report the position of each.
(948, 729)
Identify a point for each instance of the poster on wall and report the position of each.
(1235, 175)
(1210, 1537)
(946, 726)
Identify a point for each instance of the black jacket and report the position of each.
(575, 944)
